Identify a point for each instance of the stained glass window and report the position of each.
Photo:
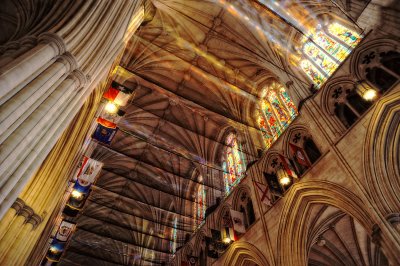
(322, 60)
(325, 50)
(336, 50)
(276, 113)
(312, 72)
(351, 38)
(233, 163)
(172, 243)
(200, 204)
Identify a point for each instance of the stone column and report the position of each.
(18, 73)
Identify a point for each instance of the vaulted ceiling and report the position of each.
(196, 69)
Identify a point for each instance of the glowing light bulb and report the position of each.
(285, 180)
(283, 177)
(76, 194)
(369, 94)
(111, 108)
(226, 240)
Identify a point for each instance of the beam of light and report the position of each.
(212, 60)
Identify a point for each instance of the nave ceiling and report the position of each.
(197, 70)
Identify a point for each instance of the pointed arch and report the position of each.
(292, 243)
(381, 153)
(244, 253)
(223, 216)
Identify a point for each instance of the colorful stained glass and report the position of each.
(312, 72)
(233, 163)
(200, 204)
(320, 58)
(351, 38)
(268, 138)
(172, 243)
(289, 103)
(273, 123)
(330, 46)
(278, 111)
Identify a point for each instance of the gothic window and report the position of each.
(347, 104)
(232, 163)
(325, 49)
(276, 112)
(246, 207)
(304, 152)
(200, 203)
(382, 69)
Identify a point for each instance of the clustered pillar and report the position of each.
(48, 80)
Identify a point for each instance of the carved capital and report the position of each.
(26, 212)
(80, 77)
(53, 39)
(18, 205)
(69, 60)
(35, 220)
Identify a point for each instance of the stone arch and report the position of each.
(292, 243)
(243, 253)
(299, 136)
(237, 193)
(367, 55)
(290, 134)
(242, 201)
(331, 95)
(223, 215)
(381, 154)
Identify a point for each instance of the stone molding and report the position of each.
(79, 77)
(25, 211)
(69, 60)
(55, 40)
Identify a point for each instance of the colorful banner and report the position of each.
(55, 251)
(300, 155)
(288, 166)
(263, 193)
(89, 170)
(104, 134)
(106, 123)
(117, 95)
(64, 231)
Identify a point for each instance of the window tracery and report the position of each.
(325, 49)
(232, 163)
(277, 112)
(200, 203)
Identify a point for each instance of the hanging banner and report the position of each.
(64, 231)
(106, 123)
(238, 221)
(89, 170)
(288, 166)
(104, 134)
(273, 184)
(263, 193)
(117, 95)
(300, 155)
(55, 250)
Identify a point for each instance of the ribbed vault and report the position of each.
(196, 69)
